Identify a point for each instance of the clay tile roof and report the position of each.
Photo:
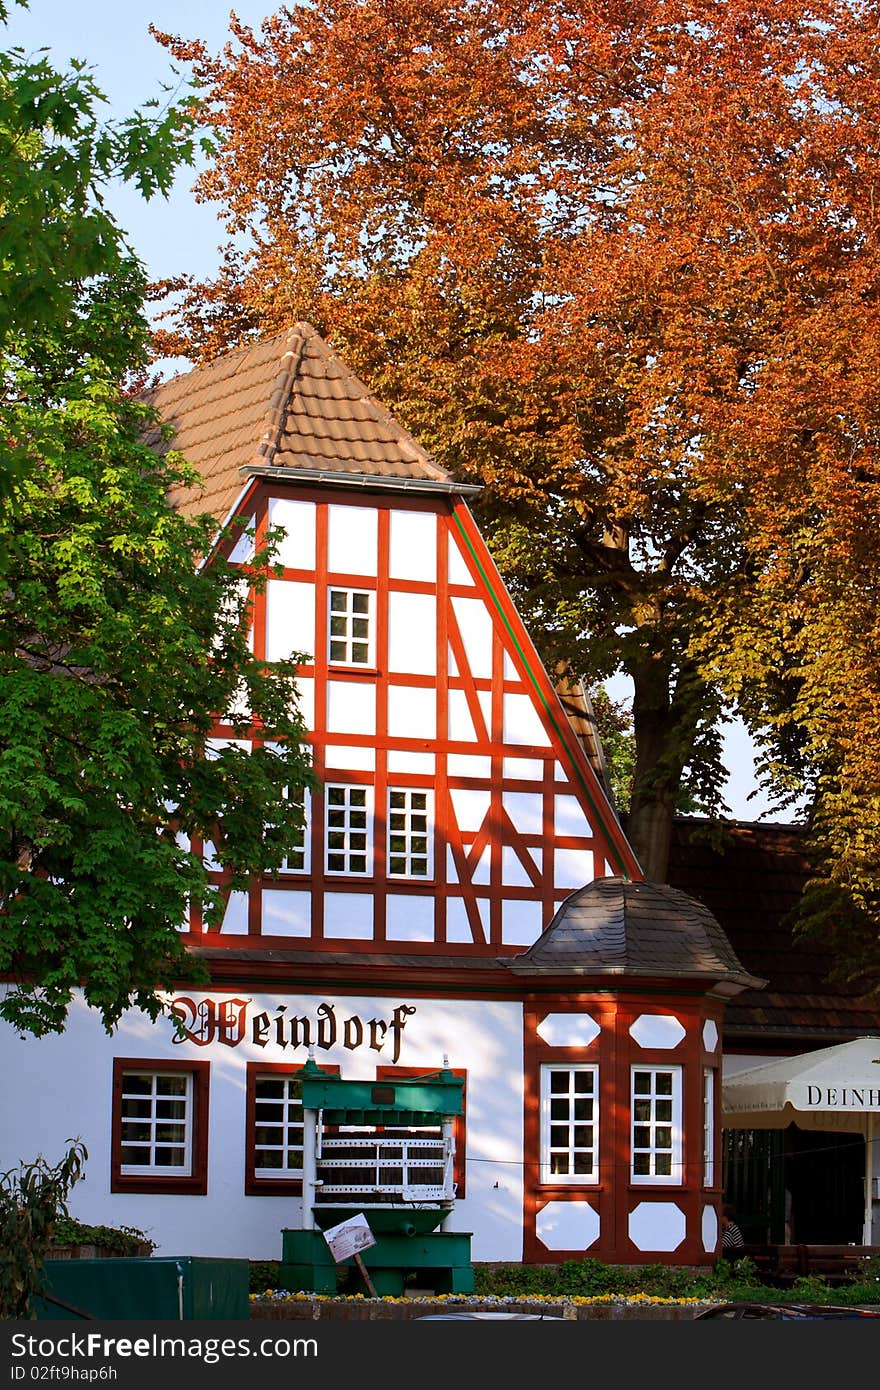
(752, 880)
(616, 927)
(286, 402)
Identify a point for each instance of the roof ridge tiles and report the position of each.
(276, 415)
(406, 442)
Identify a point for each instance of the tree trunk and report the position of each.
(662, 750)
(649, 831)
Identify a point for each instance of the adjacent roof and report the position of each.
(616, 927)
(752, 881)
(578, 706)
(287, 404)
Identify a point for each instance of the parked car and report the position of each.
(791, 1311)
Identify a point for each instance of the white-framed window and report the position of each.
(278, 1126)
(656, 1125)
(708, 1126)
(351, 627)
(410, 814)
(347, 829)
(156, 1123)
(569, 1124)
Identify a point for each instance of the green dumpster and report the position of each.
(151, 1287)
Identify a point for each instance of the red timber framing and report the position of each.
(615, 1052)
(453, 703)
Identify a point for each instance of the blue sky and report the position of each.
(178, 235)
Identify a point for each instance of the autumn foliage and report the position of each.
(620, 263)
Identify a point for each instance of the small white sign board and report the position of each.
(349, 1237)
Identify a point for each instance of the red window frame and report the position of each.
(195, 1182)
(266, 1187)
(459, 1123)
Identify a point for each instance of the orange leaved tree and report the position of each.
(618, 262)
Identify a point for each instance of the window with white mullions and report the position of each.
(569, 1124)
(409, 844)
(347, 830)
(156, 1122)
(278, 1127)
(296, 859)
(656, 1124)
(350, 635)
(708, 1126)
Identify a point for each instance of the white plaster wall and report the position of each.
(402, 760)
(458, 570)
(413, 546)
(468, 764)
(409, 917)
(348, 915)
(522, 723)
(475, 625)
(572, 868)
(569, 819)
(287, 912)
(351, 707)
(56, 1088)
(470, 807)
(526, 811)
(458, 927)
(412, 712)
(235, 918)
(305, 688)
(297, 548)
(523, 769)
(521, 922)
(460, 725)
(514, 873)
(412, 633)
(290, 619)
(244, 547)
(340, 759)
(352, 540)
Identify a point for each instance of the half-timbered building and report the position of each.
(462, 888)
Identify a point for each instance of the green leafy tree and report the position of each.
(33, 1198)
(119, 643)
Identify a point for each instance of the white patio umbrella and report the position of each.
(836, 1088)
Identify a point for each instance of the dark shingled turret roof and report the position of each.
(615, 927)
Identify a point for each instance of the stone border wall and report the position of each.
(405, 1310)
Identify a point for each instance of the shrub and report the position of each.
(121, 1240)
(263, 1275)
(32, 1197)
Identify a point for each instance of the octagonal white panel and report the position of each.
(710, 1035)
(657, 1226)
(710, 1228)
(567, 1225)
(657, 1030)
(567, 1030)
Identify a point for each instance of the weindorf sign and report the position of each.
(231, 1021)
(842, 1097)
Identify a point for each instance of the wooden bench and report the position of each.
(783, 1264)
